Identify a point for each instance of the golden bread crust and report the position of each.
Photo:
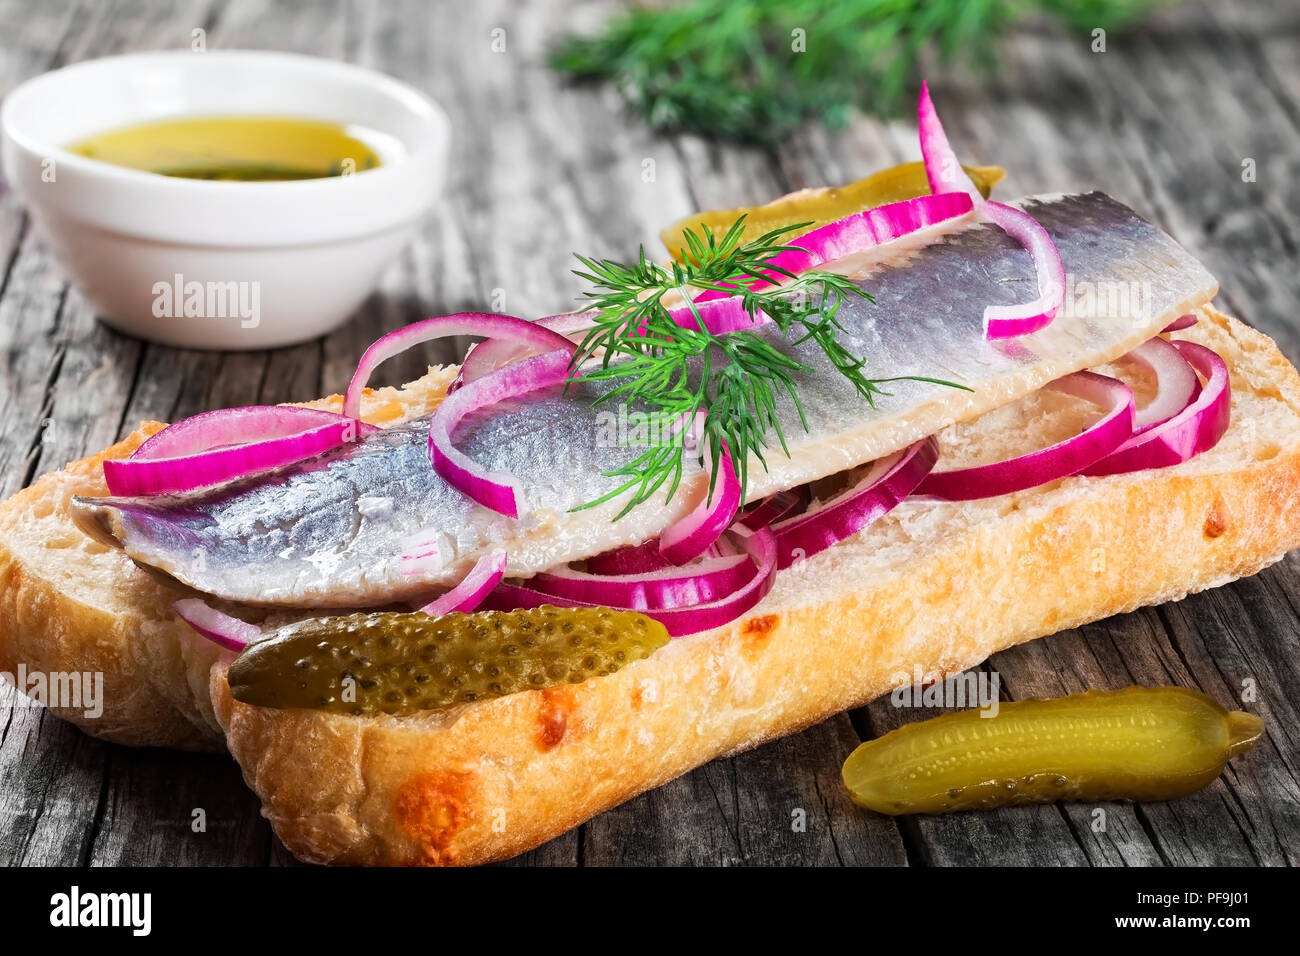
(68, 603)
(939, 586)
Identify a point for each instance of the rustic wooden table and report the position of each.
(1163, 119)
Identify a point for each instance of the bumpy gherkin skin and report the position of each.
(400, 663)
(1139, 743)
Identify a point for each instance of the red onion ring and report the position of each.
(886, 483)
(854, 233)
(941, 166)
(1007, 321)
(724, 547)
(469, 594)
(709, 580)
(494, 353)
(636, 559)
(1195, 429)
(1180, 323)
(222, 629)
(774, 508)
(1176, 383)
(495, 491)
(719, 316)
(1057, 461)
(759, 545)
(439, 327)
(646, 558)
(213, 447)
(946, 175)
(690, 537)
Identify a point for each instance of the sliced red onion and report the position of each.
(690, 537)
(854, 233)
(1006, 321)
(886, 483)
(646, 558)
(946, 175)
(941, 166)
(495, 491)
(569, 323)
(229, 632)
(637, 559)
(1195, 429)
(1058, 461)
(719, 316)
(462, 323)
(774, 508)
(1180, 323)
(724, 547)
(1176, 383)
(230, 443)
(702, 582)
(488, 356)
(469, 594)
(495, 353)
(680, 621)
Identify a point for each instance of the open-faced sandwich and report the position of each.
(735, 494)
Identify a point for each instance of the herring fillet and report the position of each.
(371, 523)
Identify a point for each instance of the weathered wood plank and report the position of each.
(30, 313)
(780, 804)
(51, 780)
(1189, 150)
(564, 850)
(162, 808)
(1238, 644)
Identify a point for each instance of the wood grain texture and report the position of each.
(1163, 119)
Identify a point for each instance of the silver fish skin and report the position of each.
(371, 524)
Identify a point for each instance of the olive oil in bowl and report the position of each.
(235, 148)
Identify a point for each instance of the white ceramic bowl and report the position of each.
(261, 263)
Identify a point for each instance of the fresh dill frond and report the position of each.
(733, 380)
(751, 70)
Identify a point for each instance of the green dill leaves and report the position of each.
(730, 382)
(752, 70)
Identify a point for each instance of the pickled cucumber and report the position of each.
(820, 206)
(397, 663)
(1139, 743)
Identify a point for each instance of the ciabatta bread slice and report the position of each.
(69, 603)
(935, 586)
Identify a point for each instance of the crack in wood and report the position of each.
(101, 811)
(1141, 815)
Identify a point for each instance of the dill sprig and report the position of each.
(732, 379)
(751, 70)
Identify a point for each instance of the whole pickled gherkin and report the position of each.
(1138, 743)
(397, 663)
